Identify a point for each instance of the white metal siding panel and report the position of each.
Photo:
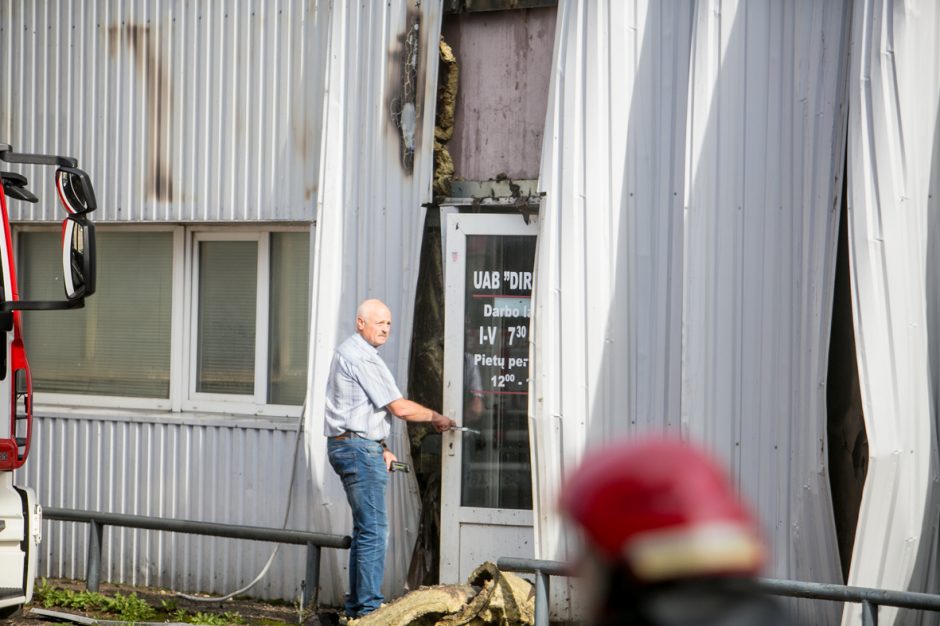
(606, 329)
(692, 167)
(764, 172)
(372, 219)
(179, 111)
(894, 175)
(215, 472)
(368, 236)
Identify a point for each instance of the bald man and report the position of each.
(361, 397)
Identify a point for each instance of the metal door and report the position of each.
(486, 492)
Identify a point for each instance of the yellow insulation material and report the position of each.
(444, 127)
(490, 597)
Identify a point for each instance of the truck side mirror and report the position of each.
(78, 257)
(75, 190)
(78, 233)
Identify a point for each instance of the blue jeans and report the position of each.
(361, 467)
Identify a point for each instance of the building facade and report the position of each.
(638, 231)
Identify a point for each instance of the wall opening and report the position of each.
(848, 441)
(426, 386)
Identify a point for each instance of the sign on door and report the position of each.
(495, 463)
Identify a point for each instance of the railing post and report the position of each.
(869, 613)
(95, 539)
(541, 598)
(311, 588)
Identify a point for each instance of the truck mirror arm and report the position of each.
(7, 154)
(42, 305)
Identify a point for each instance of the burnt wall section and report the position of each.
(158, 95)
(407, 58)
(179, 112)
(505, 65)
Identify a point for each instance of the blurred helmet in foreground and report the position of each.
(663, 510)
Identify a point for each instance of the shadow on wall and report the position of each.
(639, 373)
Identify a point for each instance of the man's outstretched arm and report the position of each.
(413, 412)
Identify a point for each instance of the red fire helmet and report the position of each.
(663, 508)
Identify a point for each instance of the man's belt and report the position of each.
(348, 434)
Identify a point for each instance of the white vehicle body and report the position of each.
(20, 536)
(20, 512)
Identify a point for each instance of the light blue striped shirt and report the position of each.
(358, 390)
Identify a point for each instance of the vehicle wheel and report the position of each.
(11, 611)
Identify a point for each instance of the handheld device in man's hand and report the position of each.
(399, 467)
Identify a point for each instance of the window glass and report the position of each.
(289, 317)
(228, 287)
(496, 471)
(119, 344)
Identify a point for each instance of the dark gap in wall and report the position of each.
(426, 386)
(848, 441)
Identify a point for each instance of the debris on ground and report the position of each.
(490, 596)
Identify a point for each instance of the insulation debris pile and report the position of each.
(489, 597)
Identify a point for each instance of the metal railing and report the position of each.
(869, 598)
(98, 521)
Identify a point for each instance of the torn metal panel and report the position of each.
(894, 242)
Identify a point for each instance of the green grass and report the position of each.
(127, 608)
(124, 607)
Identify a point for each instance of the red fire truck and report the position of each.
(20, 513)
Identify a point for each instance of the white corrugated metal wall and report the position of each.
(369, 228)
(204, 111)
(894, 177)
(219, 470)
(242, 140)
(763, 191)
(179, 111)
(692, 166)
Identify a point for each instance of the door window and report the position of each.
(498, 286)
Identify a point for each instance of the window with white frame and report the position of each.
(184, 319)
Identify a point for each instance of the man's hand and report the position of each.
(388, 456)
(442, 423)
(414, 412)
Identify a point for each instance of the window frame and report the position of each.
(183, 399)
(115, 401)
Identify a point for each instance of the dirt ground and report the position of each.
(489, 596)
(256, 612)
